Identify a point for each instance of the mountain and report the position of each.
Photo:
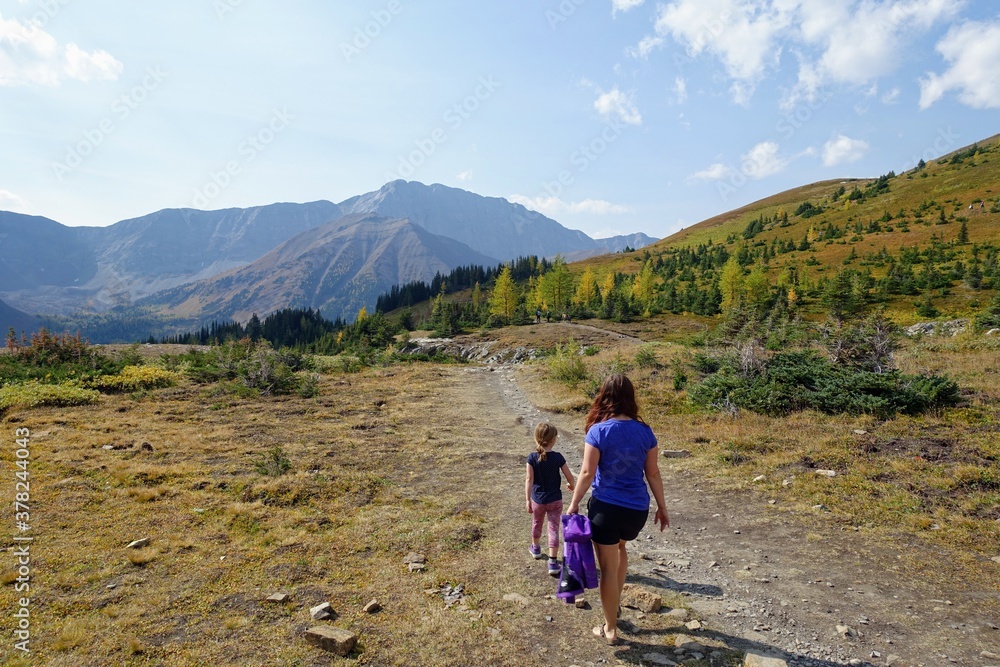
(37, 252)
(11, 318)
(47, 267)
(63, 272)
(336, 268)
(490, 225)
(611, 245)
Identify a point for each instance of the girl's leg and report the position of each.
(554, 513)
(537, 517)
(608, 556)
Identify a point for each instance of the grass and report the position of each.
(413, 457)
(380, 467)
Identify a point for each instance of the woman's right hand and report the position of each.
(574, 508)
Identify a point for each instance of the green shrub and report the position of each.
(134, 378)
(35, 394)
(566, 364)
(265, 371)
(646, 358)
(309, 386)
(274, 463)
(792, 381)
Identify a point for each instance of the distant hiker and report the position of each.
(619, 458)
(548, 315)
(543, 493)
(982, 205)
(538, 315)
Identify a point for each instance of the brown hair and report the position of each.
(615, 397)
(545, 436)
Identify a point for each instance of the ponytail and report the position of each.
(545, 436)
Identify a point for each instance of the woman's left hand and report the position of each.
(661, 518)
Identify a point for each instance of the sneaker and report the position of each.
(554, 568)
(536, 552)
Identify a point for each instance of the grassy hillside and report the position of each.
(864, 225)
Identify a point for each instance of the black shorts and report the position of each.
(610, 524)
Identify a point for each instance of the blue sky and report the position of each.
(611, 116)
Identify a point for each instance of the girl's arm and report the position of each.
(529, 480)
(591, 457)
(569, 477)
(652, 470)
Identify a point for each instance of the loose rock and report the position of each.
(372, 607)
(278, 597)
(639, 598)
(754, 659)
(321, 611)
(139, 544)
(657, 659)
(334, 640)
(676, 453)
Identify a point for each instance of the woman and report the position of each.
(619, 458)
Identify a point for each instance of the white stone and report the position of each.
(321, 611)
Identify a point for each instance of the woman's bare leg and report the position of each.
(612, 580)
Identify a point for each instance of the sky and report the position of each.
(610, 116)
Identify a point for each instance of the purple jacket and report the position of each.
(578, 557)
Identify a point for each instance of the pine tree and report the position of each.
(963, 234)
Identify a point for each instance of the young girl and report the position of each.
(542, 492)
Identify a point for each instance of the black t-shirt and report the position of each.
(547, 487)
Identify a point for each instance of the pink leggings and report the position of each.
(538, 514)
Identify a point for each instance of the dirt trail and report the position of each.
(756, 576)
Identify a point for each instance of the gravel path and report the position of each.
(761, 578)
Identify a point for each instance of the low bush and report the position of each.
(566, 364)
(134, 378)
(791, 381)
(35, 394)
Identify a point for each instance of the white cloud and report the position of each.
(465, 176)
(763, 160)
(715, 172)
(972, 51)
(645, 47)
(552, 206)
(680, 90)
(892, 96)
(29, 55)
(624, 5)
(843, 150)
(741, 35)
(616, 104)
(852, 43)
(12, 202)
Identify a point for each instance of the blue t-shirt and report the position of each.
(547, 488)
(620, 478)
